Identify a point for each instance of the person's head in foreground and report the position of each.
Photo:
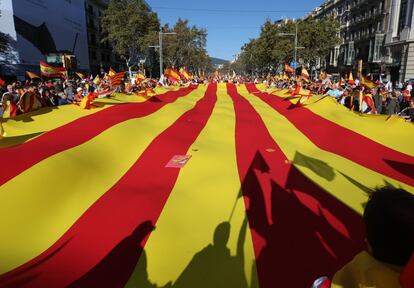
(389, 223)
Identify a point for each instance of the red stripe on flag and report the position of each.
(353, 146)
(99, 250)
(22, 157)
(297, 228)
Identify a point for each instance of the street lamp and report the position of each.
(296, 43)
(160, 46)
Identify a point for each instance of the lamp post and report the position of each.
(160, 46)
(295, 53)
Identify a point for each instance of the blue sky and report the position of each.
(228, 31)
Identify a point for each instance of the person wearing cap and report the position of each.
(79, 95)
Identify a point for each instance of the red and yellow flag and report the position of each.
(97, 80)
(32, 75)
(140, 77)
(50, 71)
(289, 69)
(283, 189)
(172, 75)
(305, 73)
(80, 75)
(185, 75)
(368, 83)
(111, 72)
(117, 79)
(351, 78)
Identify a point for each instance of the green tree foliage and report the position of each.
(187, 48)
(271, 49)
(127, 24)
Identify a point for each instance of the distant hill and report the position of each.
(217, 61)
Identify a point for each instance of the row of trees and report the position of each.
(131, 27)
(272, 49)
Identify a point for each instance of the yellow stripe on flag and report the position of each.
(38, 206)
(192, 212)
(379, 128)
(291, 141)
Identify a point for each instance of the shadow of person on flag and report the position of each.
(309, 233)
(214, 266)
(115, 269)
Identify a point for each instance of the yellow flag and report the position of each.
(32, 75)
(80, 75)
(111, 72)
(97, 80)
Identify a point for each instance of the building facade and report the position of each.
(399, 41)
(363, 27)
(37, 28)
(101, 54)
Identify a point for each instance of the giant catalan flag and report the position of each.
(211, 186)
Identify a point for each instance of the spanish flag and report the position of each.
(368, 83)
(49, 71)
(185, 75)
(32, 75)
(289, 69)
(111, 72)
(172, 75)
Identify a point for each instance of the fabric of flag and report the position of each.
(305, 73)
(111, 72)
(117, 79)
(140, 77)
(351, 78)
(97, 80)
(2, 82)
(185, 75)
(80, 75)
(368, 83)
(50, 71)
(30, 102)
(32, 75)
(272, 195)
(289, 69)
(172, 74)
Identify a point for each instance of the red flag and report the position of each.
(2, 82)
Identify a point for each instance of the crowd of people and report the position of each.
(381, 98)
(58, 92)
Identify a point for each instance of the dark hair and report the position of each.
(389, 221)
